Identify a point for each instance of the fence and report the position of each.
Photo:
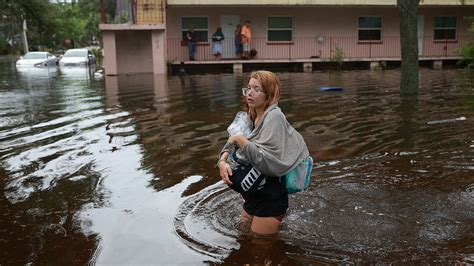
(135, 11)
(323, 47)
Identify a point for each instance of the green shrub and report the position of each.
(3, 45)
(467, 54)
(338, 57)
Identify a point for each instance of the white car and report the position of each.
(77, 57)
(37, 59)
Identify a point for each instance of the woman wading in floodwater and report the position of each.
(272, 149)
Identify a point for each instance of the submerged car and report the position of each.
(37, 59)
(77, 57)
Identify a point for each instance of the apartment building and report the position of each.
(284, 30)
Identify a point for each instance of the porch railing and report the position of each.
(325, 48)
(132, 12)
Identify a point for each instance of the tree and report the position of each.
(409, 79)
(50, 23)
(69, 24)
(37, 13)
(467, 52)
(90, 9)
(79, 22)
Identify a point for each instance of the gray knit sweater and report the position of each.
(274, 147)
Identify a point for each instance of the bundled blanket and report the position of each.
(275, 147)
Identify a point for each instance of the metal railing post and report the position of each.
(289, 51)
(370, 49)
(330, 48)
(134, 11)
(103, 16)
(446, 48)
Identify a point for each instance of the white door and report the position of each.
(228, 24)
(421, 27)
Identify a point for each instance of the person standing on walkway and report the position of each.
(238, 41)
(246, 39)
(217, 39)
(191, 38)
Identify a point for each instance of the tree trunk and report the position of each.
(409, 79)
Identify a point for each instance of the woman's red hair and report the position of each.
(270, 84)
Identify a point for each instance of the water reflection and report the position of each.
(78, 73)
(33, 77)
(407, 127)
(121, 170)
(136, 229)
(263, 251)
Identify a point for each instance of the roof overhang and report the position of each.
(313, 2)
(116, 27)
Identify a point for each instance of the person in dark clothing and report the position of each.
(238, 41)
(191, 38)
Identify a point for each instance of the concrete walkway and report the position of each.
(308, 64)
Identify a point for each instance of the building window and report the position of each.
(445, 28)
(280, 29)
(370, 28)
(200, 27)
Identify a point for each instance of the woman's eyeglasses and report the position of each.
(246, 91)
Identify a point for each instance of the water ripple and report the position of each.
(83, 161)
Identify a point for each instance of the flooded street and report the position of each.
(115, 170)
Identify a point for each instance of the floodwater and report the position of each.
(113, 170)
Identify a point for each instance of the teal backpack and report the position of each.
(298, 178)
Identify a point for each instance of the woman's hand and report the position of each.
(241, 140)
(232, 139)
(225, 171)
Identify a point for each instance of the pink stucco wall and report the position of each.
(110, 52)
(337, 26)
(158, 42)
(134, 52)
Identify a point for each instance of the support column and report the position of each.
(111, 91)
(110, 52)
(238, 68)
(158, 51)
(374, 65)
(307, 67)
(378, 65)
(438, 64)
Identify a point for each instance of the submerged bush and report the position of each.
(467, 52)
(338, 57)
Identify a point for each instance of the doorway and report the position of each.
(228, 24)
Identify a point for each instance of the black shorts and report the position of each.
(264, 196)
(271, 201)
